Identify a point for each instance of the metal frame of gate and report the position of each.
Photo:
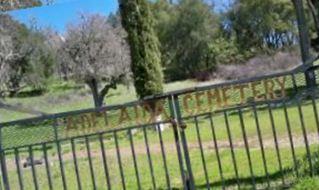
(53, 131)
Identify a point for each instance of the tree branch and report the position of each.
(112, 85)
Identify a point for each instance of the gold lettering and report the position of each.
(106, 121)
(226, 97)
(282, 85)
(241, 88)
(198, 100)
(186, 99)
(161, 110)
(85, 122)
(214, 94)
(70, 123)
(93, 119)
(269, 87)
(256, 93)
(137, 115)
(124, 116)
(151, 111)
(146, 110)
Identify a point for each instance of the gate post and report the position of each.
(4, 171)
(187, 175)
(304, 41)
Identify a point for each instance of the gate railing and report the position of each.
(254, 132)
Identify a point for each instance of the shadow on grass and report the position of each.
(29, 93)
(275, 177)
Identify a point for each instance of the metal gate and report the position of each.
(254, 133)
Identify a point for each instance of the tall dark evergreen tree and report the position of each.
(145, 54)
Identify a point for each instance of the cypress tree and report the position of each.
(144, 45)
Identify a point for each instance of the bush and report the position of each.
(303, 165)
(307, 184)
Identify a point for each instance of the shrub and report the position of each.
(307, 184)
(303, 165)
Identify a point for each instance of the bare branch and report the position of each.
(95, 50)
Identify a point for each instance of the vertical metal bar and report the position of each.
(134, 160)
(47, 166)
(17, 161)
(217, 150)
(105, 166)
(304, 41)
(303, 30)
(75, 162)
(34, 174)
(261, 144)
(55, 126)
(177, 140)
(304, 132)
(202, 153)
(242, 125)
(1, 160)
(163, 156)
(276, 141)
(149, 157)
(231, 148)
(4, 170)
(190, 176)
(290, 138)
(87, 143)
(187, 160)
(119, 159)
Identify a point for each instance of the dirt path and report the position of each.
(126, 152)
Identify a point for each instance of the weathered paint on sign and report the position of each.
(193, 103)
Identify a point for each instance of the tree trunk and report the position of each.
(98, 96)
(92, 83)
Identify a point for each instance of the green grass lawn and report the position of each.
(129, 173)
(67, 96)
(275, 175)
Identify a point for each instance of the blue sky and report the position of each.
(65, 11)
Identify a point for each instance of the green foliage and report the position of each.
(307, 184)
(144, 46)
(33, 62)
(225, 51)
(303, 164)
(263, 24)
(185, 31)
(194, 38)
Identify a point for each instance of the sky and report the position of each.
(62, 12)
